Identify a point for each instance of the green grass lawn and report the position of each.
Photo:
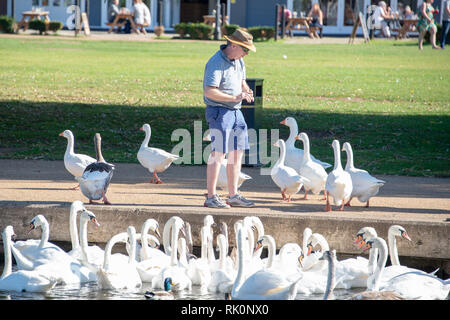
(386, 98)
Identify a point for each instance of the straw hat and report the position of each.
(242, 38)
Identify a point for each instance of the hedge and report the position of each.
(262, 32)
(7, 24)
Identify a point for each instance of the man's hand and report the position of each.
(248, 96)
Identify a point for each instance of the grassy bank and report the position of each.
(387, 99)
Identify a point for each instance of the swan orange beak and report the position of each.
(141, 129)
(94, 221)
(258, 246)
(61, 134)
(283, 122)
(358, 239)
(309, 249)
(361, 244)
(31, 227)
(406, 236)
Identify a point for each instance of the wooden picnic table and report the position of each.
(30, 15)
(299, 23)
(406, 27)
(124, 16)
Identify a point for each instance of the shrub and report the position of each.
(55, 26)
(228, 29)
(262, 32)
(37, 24)
(181, 28)
(7, 24)
(201, 31)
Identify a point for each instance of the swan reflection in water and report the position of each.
(91, 291)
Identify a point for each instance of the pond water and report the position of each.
(91, 291)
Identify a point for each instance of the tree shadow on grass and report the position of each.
(382, 144)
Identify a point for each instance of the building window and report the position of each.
(300, 8)
(68, 3)
(329, 9)
(411, 3)
(44, 3)
(35, 3)
(56, 3)
(351, 11)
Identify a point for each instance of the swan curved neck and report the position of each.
(144, 241)
(330, 279)
(73, 228)
(98, 149)
(221, 242)
(7, 268)
(109, 245)
(240, 274)
(380, 266)
(174, 242)
(271, 247)
(45, 234)
(393, 252)
(83, 238)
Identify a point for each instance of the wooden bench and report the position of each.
(142, 27)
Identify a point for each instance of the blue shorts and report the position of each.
(228, 129)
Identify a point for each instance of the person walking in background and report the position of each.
(426, 24)
(445, 22)
(224, 88)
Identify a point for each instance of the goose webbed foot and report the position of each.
(327, 206)
(367, 204)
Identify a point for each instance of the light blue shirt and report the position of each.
(225, 74)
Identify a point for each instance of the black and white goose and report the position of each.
(96, 177)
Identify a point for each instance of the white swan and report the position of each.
(265, 284)
(96, 177)
(22, 280)
(373, 284)
(51, 261)
(222, 279)
(199, 270)
(95, 253)
(285, 177)
(365, 186)
(311, 170)
(120, 275)
(174, 271)
(75, 163)
(339, 182)
(146, 251)
(294, 155)
(154, 159)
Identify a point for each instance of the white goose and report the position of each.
(75, 163)
(339, 182)
(265, 284)
(22, 280)
(116, 275)
(154, 159)
(96, 177)
(285, 177)
(311, 170)
(365, 186)
(294, 155)
(95, 253)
